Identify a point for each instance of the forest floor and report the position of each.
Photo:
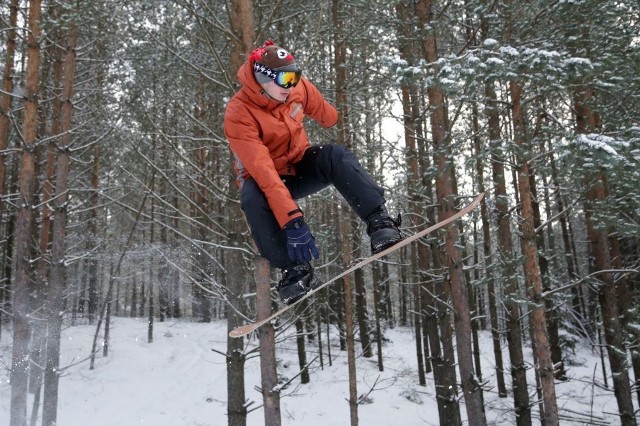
(178, 380)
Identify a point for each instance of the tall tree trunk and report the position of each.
(600, 251)
(93, 229)
(551, 314)
(376, 278)
(243, 29)
(416, 256)
(349, 321)
(301, 347)
(5, 112)
(5, 102)
(266, 336)
(628, 309)
(613, 331)
(57, 284)
(489, 262)
(361, 306)
(542, 350)
(570, 259)
(23, 284)
(340, 55)
(39, 332)
(446, 202)
(506, 258)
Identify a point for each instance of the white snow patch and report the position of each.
(179, 380)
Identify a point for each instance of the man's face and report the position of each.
(276, 92)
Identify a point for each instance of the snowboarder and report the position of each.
(276, 164)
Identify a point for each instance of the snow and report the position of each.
(509, 51)
(600, 142)
(495, 61)
(490, 43)
(585, 62)
(179, 380)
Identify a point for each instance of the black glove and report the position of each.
(301, 244)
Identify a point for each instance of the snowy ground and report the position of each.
(179, 381)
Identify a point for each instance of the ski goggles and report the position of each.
(287, 79)
(284, 79)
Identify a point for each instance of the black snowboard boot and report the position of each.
(296, 281)
(383, 230)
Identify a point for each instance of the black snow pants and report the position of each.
(320, 167)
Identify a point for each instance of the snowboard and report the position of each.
(248, 328)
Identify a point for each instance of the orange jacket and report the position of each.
(267, 137)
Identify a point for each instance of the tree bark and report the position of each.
(446, 208)
(57, 284)
(542, 350)
(302, 350)
(600, 251)
(376, 278)
(242, 26)
(417, 257)
(361, 305)
(266, 336)
(340, 54)
(489, 261)
(570, 257)
(349, 324)
(506, 259)
(613, 331)
(5, 98)
(23, 284)
(551, 314)
(236, 407)
(628, 309)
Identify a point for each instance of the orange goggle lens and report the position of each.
(287, 79)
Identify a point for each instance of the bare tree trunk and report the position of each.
(628, 309)
(349, 323)
(417, 256)
(57, 284)
(488, 263)
(23, 285)
(243, 28)
(608, 300)
(551, 314)
(339, 59)
(576, 292)
(361, 313)
(542, 350)
(236, 408)
(375, 271)
(39, 332)
(506, 258)
(446, 200)
(586, 121)
(5, 99)
(302, 350)
(266, 336)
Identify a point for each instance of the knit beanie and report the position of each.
(273, 58)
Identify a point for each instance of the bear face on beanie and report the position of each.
(273, 57)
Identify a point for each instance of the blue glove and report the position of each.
(301, 244)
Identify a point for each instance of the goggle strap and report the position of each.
(262, 69)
